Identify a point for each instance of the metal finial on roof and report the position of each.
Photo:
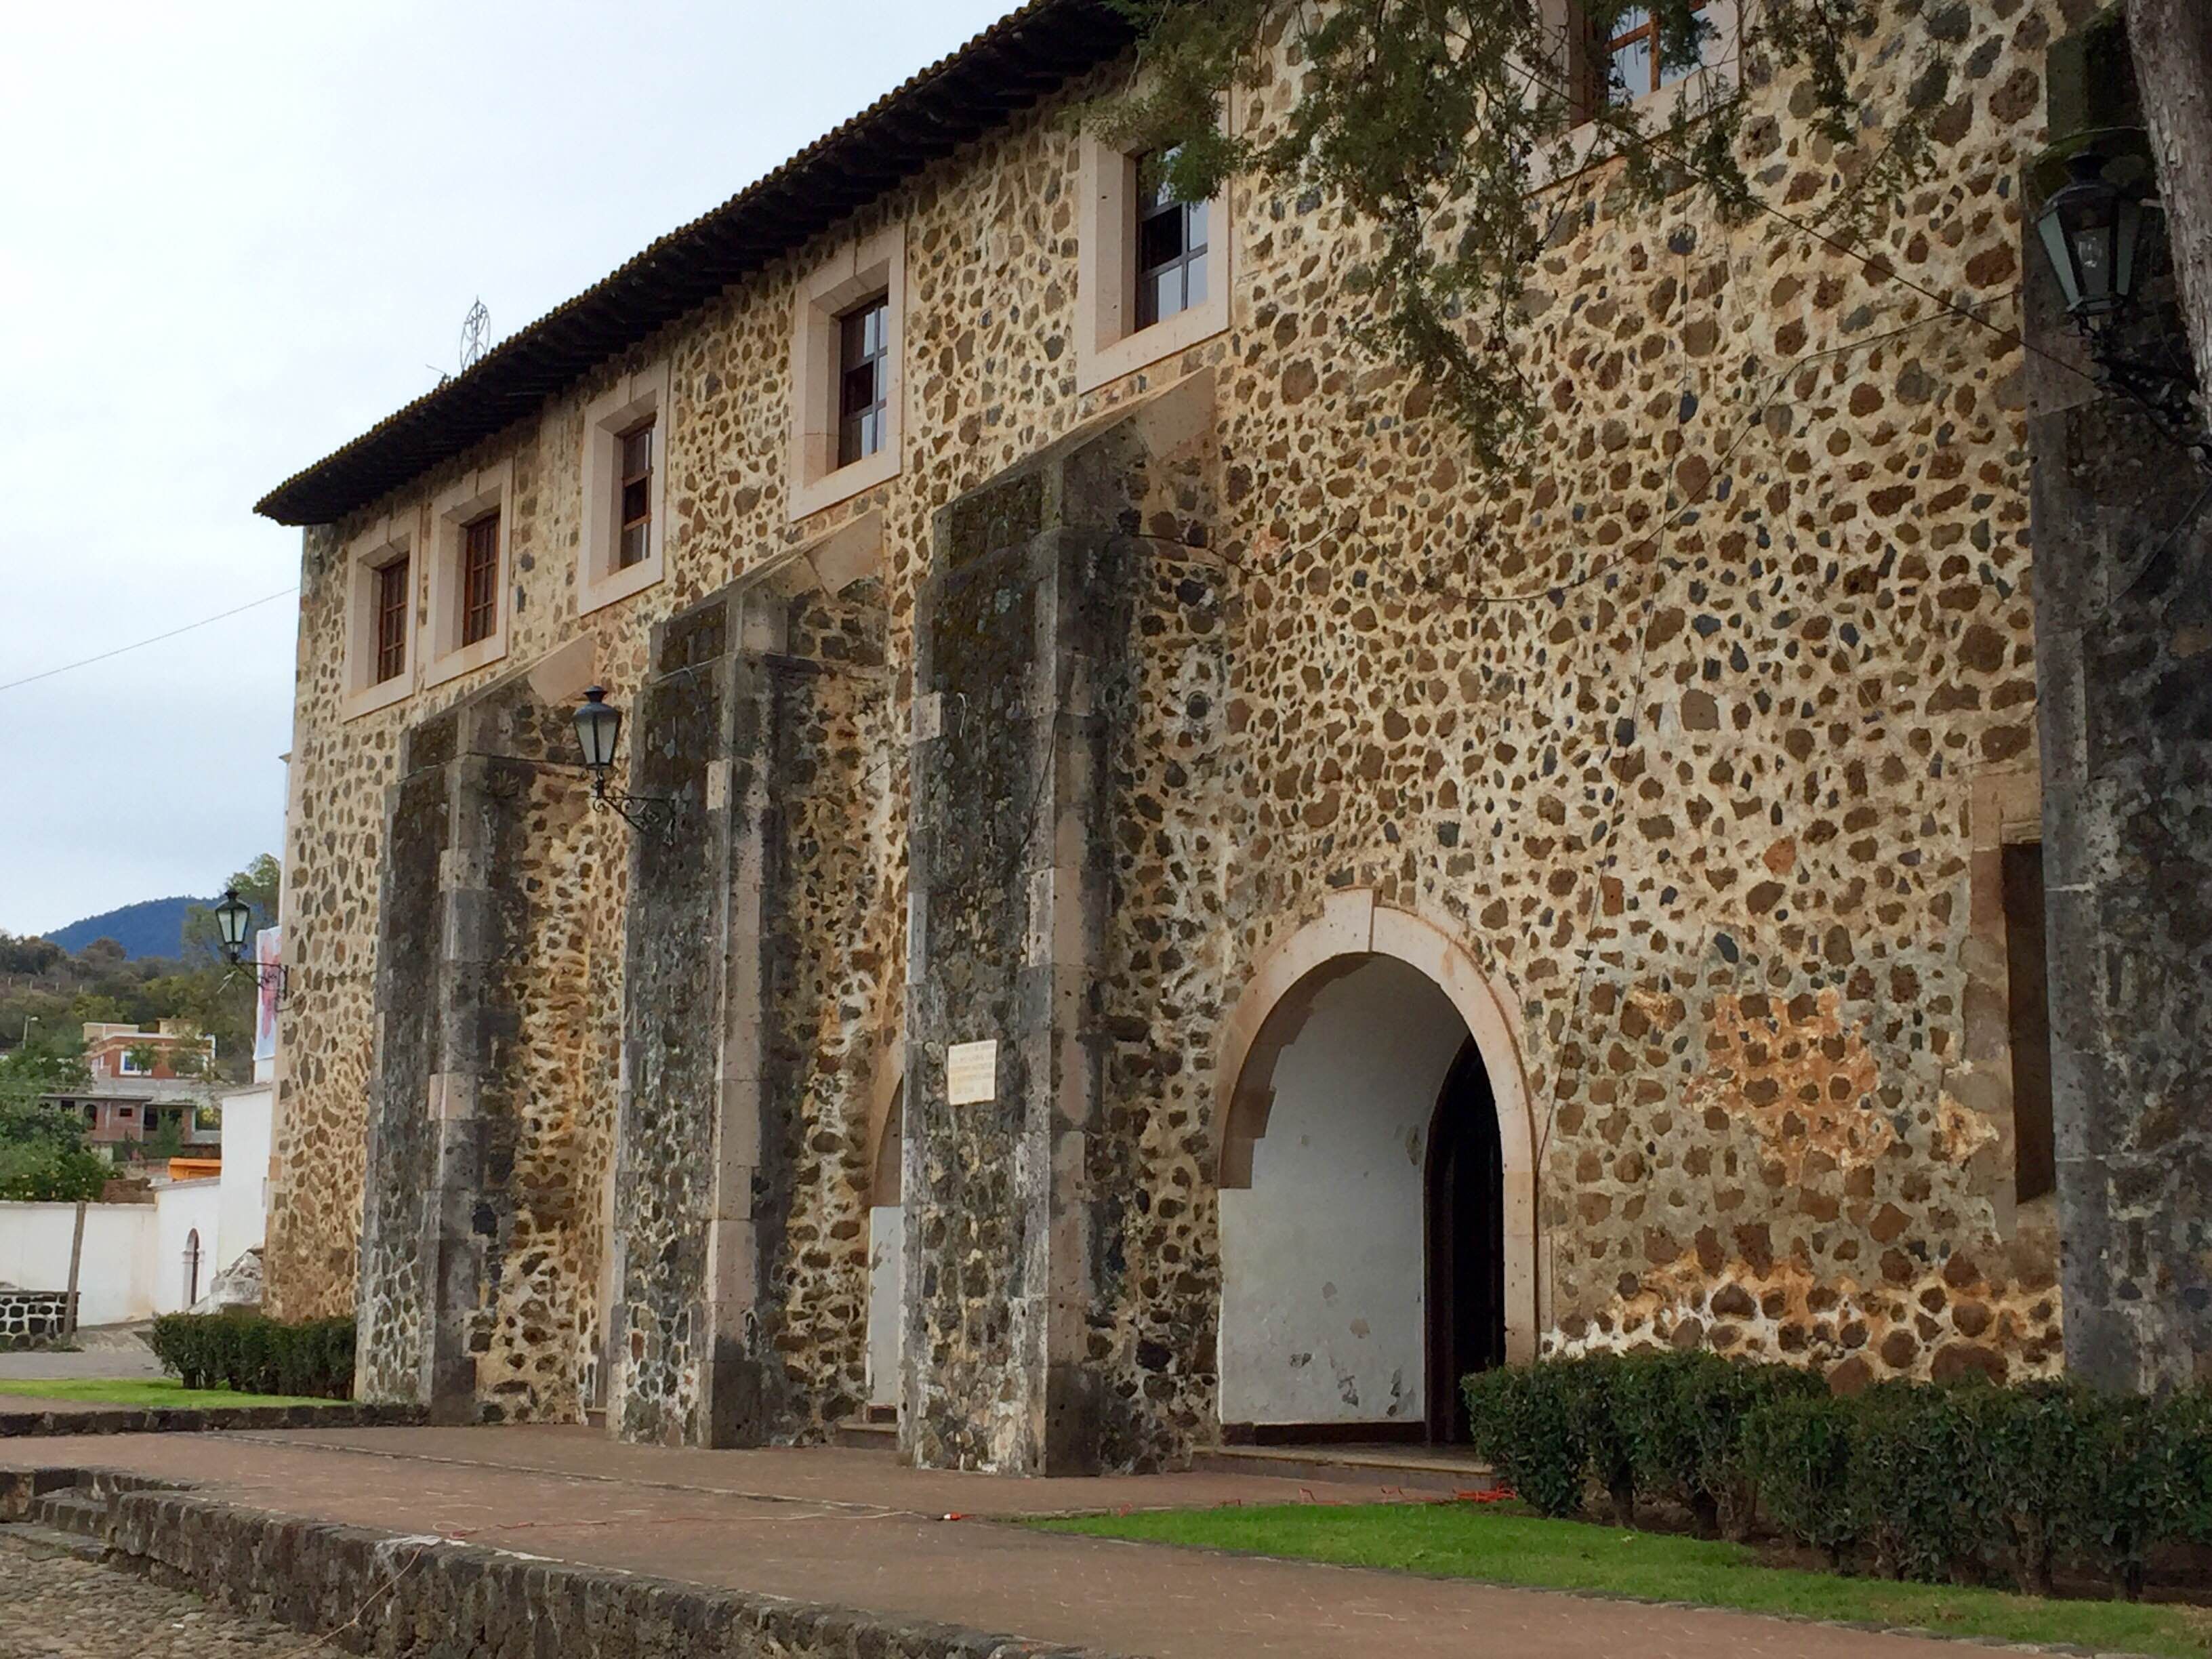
(476, 335)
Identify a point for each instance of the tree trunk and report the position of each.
(2172, 44)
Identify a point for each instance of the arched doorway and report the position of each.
(1375, 1159)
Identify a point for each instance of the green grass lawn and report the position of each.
(158, 1391)
(1506, 1545)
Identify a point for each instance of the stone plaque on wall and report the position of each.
(971, 1073)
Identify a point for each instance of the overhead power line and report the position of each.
(138, 645)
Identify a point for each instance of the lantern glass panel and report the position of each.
(231, 919)
(599, 727)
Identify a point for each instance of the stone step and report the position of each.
(73, 1509)
(1441, 1469)
(866, 1434)
(49, 1542)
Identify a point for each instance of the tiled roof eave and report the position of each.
(1006, 69)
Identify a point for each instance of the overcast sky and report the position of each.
(233, 236)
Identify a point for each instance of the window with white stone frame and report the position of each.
(623, 546)
(470, 526)
(381, 587)
(1152, 274)
(848, 380)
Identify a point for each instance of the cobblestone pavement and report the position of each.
(54, 1607)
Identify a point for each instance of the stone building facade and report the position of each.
(1190, 908)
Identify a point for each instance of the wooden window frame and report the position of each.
(1153, 204)
(480, 577)
(863, 426)
(634, 490)
(394, 595)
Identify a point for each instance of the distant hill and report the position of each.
(152, 927)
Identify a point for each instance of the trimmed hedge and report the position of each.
(257, 1355)
(1964, 1481)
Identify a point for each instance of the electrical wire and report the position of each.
(139, 645)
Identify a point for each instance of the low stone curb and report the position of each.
(185, 1419)
(364, 1590)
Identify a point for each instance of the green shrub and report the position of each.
(1599, 1387)
(2031, 1484)
(1907, 1472)
(1798, 1451)
(1523, 1421)
(1682, 1415)
(2154, 1486)
(1914, 1480)
(255, 1355)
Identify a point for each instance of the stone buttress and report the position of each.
(739, 1178)
(478, 1249)
(1031, 631)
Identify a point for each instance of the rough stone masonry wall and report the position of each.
(1678, 734)
(29, 1316)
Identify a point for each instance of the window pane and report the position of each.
(1632, 69)
(859, 390)
(1159, 239)
(1194, 219)
(635, 500)
(637, 452)
(1195, 287)
(633, 547)
(1152, 179)
(1167, 293)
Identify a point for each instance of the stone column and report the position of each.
(721, 1027)
(1027, 615)
(456, 1174)
(396, 1299)
(2123, 672)
(687, 1150)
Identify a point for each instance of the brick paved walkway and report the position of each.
(853, 1528)
(54, 1607)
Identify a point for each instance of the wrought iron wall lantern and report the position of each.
(599, 732)
(2102, 238)
(234, 921)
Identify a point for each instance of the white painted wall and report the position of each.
(181, 1208)
(245, 1121)
(1322, 1256)
(115, 1278)
(886, 1300)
